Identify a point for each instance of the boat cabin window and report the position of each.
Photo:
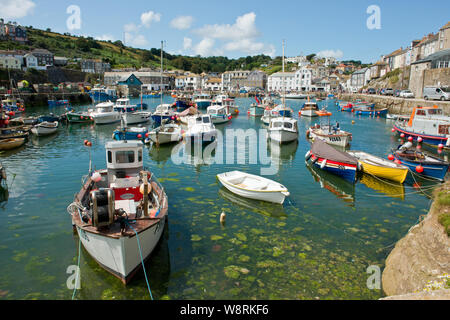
(421, 112)
(288, 125)
(206, 120)
(435, 111)
(124, 156)
(140, 155)
(444, 129)
(109, 157)
(276, 124)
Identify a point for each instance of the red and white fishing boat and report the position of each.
(120, 212)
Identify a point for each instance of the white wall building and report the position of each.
(31, 61)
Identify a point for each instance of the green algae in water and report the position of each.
(196, 237)
(232, 272)
(241, 236)
(216, 237)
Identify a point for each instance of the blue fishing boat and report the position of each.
(368, 111)
(103, 94)
(202, 100)
(163, 112)
(49, 118)
(332, 160)
(421, 163)
(133, 133)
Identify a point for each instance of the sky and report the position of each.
(345, 29)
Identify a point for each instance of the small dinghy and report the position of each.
(45, 128)
(8, 144)
(380, 167)
(253, 187)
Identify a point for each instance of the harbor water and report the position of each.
(318, 245)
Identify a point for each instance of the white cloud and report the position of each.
(330, 53)
(249, 46)
(205, 48)
(13, 9)
(148, 17)
(135, 40)
(131, 27)
(182, 22)
(187, 43)
(243, 28)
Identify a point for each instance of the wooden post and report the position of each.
(145, 182)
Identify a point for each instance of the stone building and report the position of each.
(444, 37)
(433, 70)
(44, 57)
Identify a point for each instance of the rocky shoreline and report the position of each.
(420, 260)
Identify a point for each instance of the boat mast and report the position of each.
(161, 89)
(284, 86)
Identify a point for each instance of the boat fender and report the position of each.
(308, 155)
(314, 160)
(323, 164)
(360, 166)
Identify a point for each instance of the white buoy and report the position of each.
(222, 218)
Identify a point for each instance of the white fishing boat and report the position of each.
(120, 212)
(309, 109)
(132, 114)
(166, 133)
(283, 130)
(200, 129)
(253, 187)
(45, 128)
(330, 134)
(268, 115)
(189, 112)
(231, 106)
(296, 96)
(219, 114)
(104, 113)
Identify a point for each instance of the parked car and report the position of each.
(388, 92)
(436, 93)
(406, 94)
(371, 91)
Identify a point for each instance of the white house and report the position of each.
(282, 81)
(10, 62)
(303, 78)
(213, 84)
(31, 62)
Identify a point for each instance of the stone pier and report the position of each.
(397, 105)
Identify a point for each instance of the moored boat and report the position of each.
(45, 128)
(120, 212)
(163, 112)
(380, 167)
(427, 123)
(104, 113)
(130, 133)
(253, 187)
(219, 114)
(421, 163)
(8, 144)
(309, 109)
(330, 159)
(330, 134)
(166, 133)
(200, 129)
(283, 130)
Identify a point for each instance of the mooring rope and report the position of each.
(142, 260)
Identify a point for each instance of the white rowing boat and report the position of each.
(253, 187)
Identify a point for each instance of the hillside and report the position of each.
(120, 56)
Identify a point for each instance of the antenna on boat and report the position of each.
(161, 89)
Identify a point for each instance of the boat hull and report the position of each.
(137, 117)
(219, 119)
(282, 136)
(372, 113)
(397, 175)
(106, 118)
(429, 139)
(157, 119)
(309, 113)
(101, 97)
(435, 171)
(203, 104)
(78, 117)
(274, 197)
(344, 170)
(256, 111)
(43, 130)
(121, 256)
(337, 140)
(9, 144)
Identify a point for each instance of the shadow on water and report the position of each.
(260, 207)
(160, 154)
(4, 195)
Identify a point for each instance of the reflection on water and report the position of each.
(338, 186)
(389, 188)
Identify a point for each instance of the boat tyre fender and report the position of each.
(308, 155)
(323, 164)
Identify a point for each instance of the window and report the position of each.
(124, 156)
(140, 155)
(443, 129)
(109, 157)
(420, 112)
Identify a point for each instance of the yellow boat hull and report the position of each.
(394, 174)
